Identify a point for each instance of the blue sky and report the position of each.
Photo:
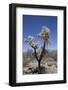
(32, 26)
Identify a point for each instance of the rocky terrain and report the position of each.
(48, 65)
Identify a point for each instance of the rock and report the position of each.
(33, 70)
(26, 71)
(49, 65)
(51, 68)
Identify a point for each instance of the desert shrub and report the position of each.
(27, 57)
(52, 54)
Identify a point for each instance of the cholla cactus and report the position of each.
(44, 34)
(34, 45)
(29, 39)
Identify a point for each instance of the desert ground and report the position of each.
(48, 63)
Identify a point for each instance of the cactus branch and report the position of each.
(35, 54)
(42, 53)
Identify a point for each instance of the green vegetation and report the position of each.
(29, 57)
(52, 54)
